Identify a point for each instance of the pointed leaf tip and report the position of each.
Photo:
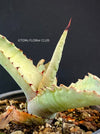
(69, 24)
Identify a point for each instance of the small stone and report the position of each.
(76, 130)
(79, 109)
(66, 125)
(7, 107)
(57, 123)
(47, 130)
(59, 130)
(89, 132)
(60, 119)
(22, 105)
(17, 132)
(48, 125)
(41, 128)
(3, 102)
(85, 115)
(7, 127)
(13, 102)
(35, 132)
(89, 126)
(41, 132)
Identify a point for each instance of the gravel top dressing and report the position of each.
(73, 121)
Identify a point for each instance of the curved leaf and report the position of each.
(55, 99)
(19, 67)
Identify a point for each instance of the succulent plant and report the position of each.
(39, 83)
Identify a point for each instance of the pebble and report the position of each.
(17, 132)
(2, 102)
(22, 105)
(66, 125)
(57, 123)
(12, 102)
(41, 128)
(48, 125)
(60, 119)
(89, 132)
(35, 132)
(85, 115)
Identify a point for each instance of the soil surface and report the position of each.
(73, 121)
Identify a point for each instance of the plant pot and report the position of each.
(16, 95)
(19, 95)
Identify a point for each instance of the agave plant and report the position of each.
(39, 83)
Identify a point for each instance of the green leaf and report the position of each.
(85, 92)
(53, 66)
(19, 67)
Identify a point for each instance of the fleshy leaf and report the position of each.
(89, 83)
(61, 98)
(52, 69)
(40, 66)
(19, 67)
(17, 116)
(43, 68)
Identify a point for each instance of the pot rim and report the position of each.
(17, 94)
